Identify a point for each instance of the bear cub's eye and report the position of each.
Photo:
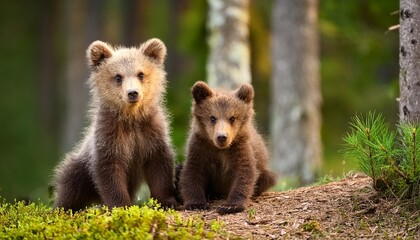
(213, 119)
(140, 76)
(118, 78)
(232, 119)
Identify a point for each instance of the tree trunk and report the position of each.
(175, 61)
(228, 65)
(134, 17)
(48, 66)
(296, 96)
(409, 61)
(76, 73)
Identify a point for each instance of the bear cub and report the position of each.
(226, 156)
(127, 141)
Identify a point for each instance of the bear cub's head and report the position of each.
(221, 115)
(127, 77)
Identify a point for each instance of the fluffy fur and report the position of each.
(127, 141)
(226, 157)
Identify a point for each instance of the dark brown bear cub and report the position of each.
(226, 157)
(128, 137)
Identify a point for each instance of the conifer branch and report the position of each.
(372, 169)
(393, 165)
(414, 152)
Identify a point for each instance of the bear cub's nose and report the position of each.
(221, 138)
(133, 95)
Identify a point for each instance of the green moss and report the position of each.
(38, 221)
(311, 226)
(314, 228)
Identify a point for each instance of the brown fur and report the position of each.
(234, 169)
(128, 138)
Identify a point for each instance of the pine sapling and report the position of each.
(392, 162)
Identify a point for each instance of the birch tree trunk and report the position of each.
(228, 65)
(409, 61)
(295, 92)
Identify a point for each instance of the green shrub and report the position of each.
(390, 158)
(38, 221)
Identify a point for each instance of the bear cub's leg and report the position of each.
(112, 184)
(265, 180)
(159, 177)
(193, 181)
(74, 186)
(243, 184)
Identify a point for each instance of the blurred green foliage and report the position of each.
(359, 68)
(359, 71)
(27, 151)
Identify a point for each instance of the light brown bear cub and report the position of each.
(226, 157)
(128, 137)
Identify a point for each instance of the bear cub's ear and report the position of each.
(245, 93)
(97, 52)
(201, 91)
(155, 49)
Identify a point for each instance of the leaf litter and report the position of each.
(345, 209)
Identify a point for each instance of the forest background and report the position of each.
(43, 93)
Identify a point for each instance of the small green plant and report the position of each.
(251, 213)
(311, 226)
(329, 178)
(390, 158)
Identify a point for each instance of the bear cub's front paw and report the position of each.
(169, 203)
(230, 208)
(196, 206)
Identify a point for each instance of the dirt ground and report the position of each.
(348, 209)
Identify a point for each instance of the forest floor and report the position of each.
(347, 209)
